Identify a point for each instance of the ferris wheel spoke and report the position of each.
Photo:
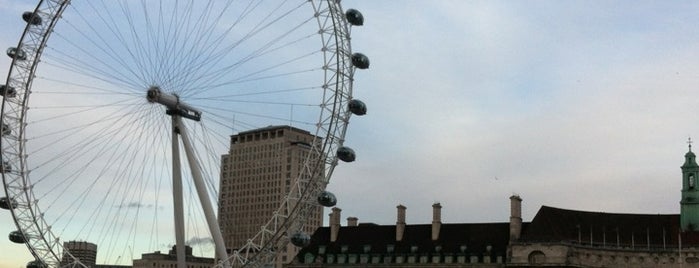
(100, 208)
(84, 109)
(138, 43)
(130, 179)
(85, 69)
(250, 77)
(257, 93)
(256, 115)
(77, 152)
(103, 140)
(212, 78)
(99, 43)
(191, 48)
(208, 74)
(88, 89)
(273, 103)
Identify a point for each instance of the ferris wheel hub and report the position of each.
(172, 103)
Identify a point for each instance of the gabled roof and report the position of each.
(375, 239)
(555, 225)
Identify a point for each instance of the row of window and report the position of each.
(174, 265)
(256, 136)
(258, 188)
(379, 258)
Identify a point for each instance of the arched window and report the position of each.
(537, 257)
(691, 181)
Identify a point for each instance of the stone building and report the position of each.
(402, 245)
(84, 252)
(256, 174)
(160, 260)
(555, 237)
(569, 238)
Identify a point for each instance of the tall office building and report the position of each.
(256, 175)
(86, 252)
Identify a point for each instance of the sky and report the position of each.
(584, 105)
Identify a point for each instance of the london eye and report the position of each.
(115, 115)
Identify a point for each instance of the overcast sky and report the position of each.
(581, 105)
(577, 104)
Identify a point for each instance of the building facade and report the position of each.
(569, 238)
(256, 175)
(405, 245)
(84, 252)
(555, 237)
(169, 260)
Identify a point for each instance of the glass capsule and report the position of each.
(36, 264)
(360, 61)
(6, 129)
(346, 154)
(17, 237)
(7, 203)
(300, 239)
(30, 18)
(354, 17)
(17, 54)
(8, 91)
(327, 199)
(357, 107)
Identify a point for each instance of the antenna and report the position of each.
(291, 115)
(689, 142)
(233, 124)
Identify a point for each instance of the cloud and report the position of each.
(138, 205)
(200, 241)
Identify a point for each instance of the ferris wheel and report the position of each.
(93, 120)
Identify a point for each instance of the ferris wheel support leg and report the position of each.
(203, 194)
(177, 196)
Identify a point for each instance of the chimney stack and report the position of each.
(515, 217)
(334, 223)
(436, 220)
(400, 223)
(352, 221)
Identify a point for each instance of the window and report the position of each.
(537, 257)
(691, 181)
(309, 258)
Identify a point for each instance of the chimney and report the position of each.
(400, 223)
(436, 220)
(334, 223)
(515, 217)
(352, 221)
